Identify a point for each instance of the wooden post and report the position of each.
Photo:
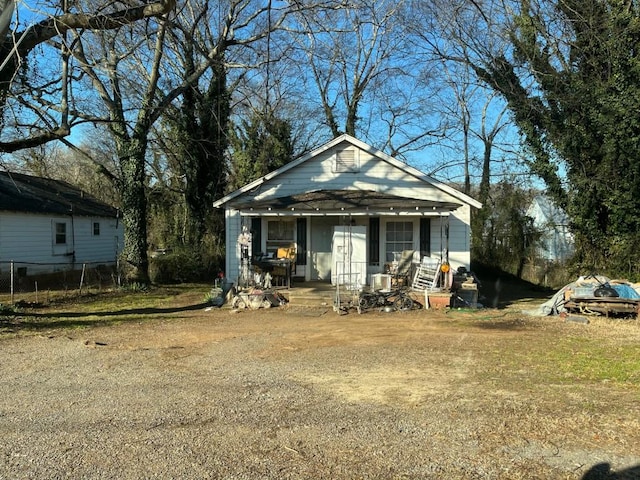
(11, 282)
(84, 266)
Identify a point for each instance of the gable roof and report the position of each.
(363, 146)
(28, 194)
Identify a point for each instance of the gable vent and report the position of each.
(346, 161)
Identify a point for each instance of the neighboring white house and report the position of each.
(556, 244)
(48, 225)
(347, 185)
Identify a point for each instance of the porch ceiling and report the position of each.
(344, 200)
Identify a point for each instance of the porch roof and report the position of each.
(343, 200)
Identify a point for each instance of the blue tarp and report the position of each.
(626, 291)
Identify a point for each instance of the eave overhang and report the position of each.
(342, 202)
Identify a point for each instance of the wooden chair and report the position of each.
(404, 269)
(289, 254)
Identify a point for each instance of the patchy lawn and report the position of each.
(154, 384)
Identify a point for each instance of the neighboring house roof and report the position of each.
(28, 194)
(465, 199)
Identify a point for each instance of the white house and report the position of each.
(48, 225)
(556, 244)
(346, 187)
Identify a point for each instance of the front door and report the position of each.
(320, 247)
(349, 259)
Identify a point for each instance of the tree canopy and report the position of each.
(571, 77)
(178, 93)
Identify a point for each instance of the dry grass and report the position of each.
(497, 393)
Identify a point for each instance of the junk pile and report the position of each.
(465, 287)
(259, 295)
(595, 295)
(221, 291)
(255, 298)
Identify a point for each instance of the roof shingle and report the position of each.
(25, 193)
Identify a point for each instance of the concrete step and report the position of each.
(304, 299)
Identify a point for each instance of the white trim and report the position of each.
(321, 213)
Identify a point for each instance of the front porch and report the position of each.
(322, 244)
(322, 294)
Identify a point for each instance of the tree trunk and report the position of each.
(134, 210)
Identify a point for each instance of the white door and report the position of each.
(349, 255)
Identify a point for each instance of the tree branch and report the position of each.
(54, 26)
(36, 140)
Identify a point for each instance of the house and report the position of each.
(345, 208)
(48, 225)
(556, 243)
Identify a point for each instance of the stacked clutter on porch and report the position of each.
(429, 277)
(257, 276)
(443, 288)
(465, 287)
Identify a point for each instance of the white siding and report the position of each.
(460, 238)
(97, 248)
(31, 238)
(374, 174)
(557, 242)
(28, 238)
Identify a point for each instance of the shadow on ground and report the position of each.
(32, 320)
(602, 471)
(501, 290)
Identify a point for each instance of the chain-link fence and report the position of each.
(42, 282)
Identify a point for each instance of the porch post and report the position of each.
(307, 269)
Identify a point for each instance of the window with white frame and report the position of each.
(60, 233)
(399, 237)
(280, 234)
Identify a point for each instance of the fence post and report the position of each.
(84, 266)
(11, 270)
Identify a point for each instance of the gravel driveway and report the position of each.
(305, 394)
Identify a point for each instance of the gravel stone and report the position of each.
(278, 394)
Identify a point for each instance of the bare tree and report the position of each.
(347, 50)
(138, 73)
(89, 166)
(38, 102)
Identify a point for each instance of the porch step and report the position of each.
(307, 299)
(310, 294)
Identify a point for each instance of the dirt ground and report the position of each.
(306, 393)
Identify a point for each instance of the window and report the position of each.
(346, 161)
(280, 234)
(399, 238)
(61, 233)
(96, 228)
